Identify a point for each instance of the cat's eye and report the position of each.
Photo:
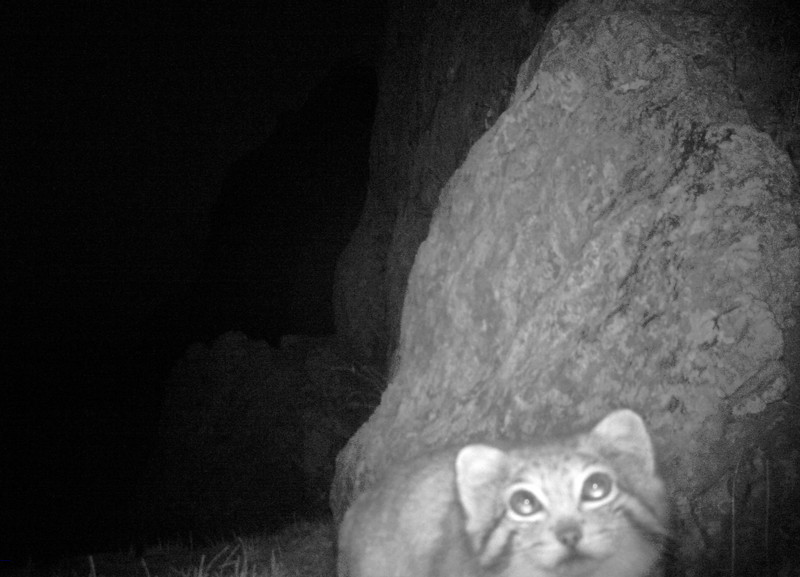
(597, 486)
(524, 503)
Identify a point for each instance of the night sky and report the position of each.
(146, 148)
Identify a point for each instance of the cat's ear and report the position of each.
(480, 474)
(622, 438)
(623, 431)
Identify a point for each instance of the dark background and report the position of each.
(171, 171)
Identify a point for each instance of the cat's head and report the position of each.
(588, 505)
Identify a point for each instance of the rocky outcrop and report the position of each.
(448, 73)
(622, 236)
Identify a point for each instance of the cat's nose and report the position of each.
(569, 534)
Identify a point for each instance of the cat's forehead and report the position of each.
(569, 457)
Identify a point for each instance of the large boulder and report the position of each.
(623, 236)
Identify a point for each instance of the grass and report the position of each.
(304, 549)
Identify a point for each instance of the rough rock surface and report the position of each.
(449, 71)
(622, 236)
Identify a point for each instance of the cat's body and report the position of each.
(587, 506)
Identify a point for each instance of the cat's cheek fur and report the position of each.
(639, 557)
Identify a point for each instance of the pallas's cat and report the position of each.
(590, 505)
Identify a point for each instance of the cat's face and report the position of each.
(579, 508)
(568, 515)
